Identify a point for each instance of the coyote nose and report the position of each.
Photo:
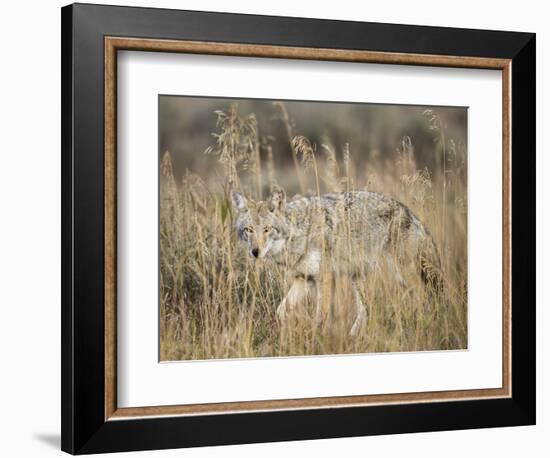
(255, 252)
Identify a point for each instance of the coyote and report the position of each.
(353, 232)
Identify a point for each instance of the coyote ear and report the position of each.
(239, 201)
(277, 201)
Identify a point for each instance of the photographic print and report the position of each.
(299, 228)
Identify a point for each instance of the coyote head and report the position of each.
(262, 225)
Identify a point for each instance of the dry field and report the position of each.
(216, 301)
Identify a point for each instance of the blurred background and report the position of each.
(374, 135)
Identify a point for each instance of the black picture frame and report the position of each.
(84, 428)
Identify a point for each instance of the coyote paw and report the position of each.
(281, 310)
(355, 329)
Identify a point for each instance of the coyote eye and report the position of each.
(267, 229)
(248, 229)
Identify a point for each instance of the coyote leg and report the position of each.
(318, 309)
(395, 271)
(361, 313)
(296, 294)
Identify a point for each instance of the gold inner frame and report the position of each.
(114, 44)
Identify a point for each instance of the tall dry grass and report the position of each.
(217, 302)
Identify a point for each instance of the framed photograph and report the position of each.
(281, 228)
